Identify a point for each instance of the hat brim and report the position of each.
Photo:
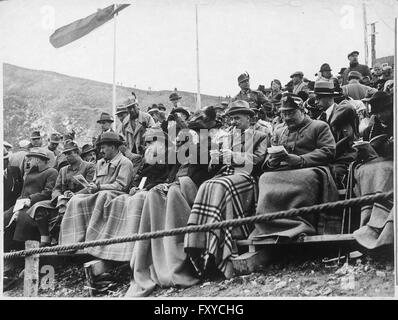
(55, 141)
(181, 110)
(116, 142)
(70, 149)
(87, 151)
(121, 111)
(107, 120)
(249, 112)
(37, 155)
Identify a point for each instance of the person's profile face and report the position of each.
(105, 125)
(241, 121)
(107, 150)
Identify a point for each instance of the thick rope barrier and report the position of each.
(207, 227)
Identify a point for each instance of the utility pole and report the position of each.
(365, 30)
(373, 42)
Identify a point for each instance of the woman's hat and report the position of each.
(161, 107)
(181, 110)
(38, 152)
(239, 107)
(70, 146)
(380, 101)
(109, 137)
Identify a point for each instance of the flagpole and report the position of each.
(114, 72)
(198, 102)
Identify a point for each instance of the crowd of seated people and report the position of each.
(261, 152)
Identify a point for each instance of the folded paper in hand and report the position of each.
(277, 150)
(80, 179)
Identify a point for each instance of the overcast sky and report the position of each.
(156, 40)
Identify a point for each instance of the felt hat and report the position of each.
(70, 146)
(121, 109)
(174, 96)
(161, 107)
(380, 101)
(181, 110)
(36, 135)
(243, 77)
(297, 73)
(129, 103)
(291, 102)
(87, 148)
(55, 138)
(7, 144)
(109, 137)
(105, 117)
(240, 107)
(38, 152)
(153, 109)
(355, 75)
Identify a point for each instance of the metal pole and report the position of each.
(114, 73)
(198, 102)
(365, 30)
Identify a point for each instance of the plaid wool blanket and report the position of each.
(221, 198)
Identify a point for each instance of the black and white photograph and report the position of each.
(198, 150)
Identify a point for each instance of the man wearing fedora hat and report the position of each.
(298, 82)
(53, 152)
(355, 66)
(138, 122)
(228, 195)
(36, 139)
(325, 94)
(354, 89)
(255, 98)
(89, 153)
(325, 74)
(122, 114)
(38, 184)
(292, 176)
(175, 99)
(48, 213)
(114, 173)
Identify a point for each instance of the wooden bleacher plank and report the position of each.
(307, 239)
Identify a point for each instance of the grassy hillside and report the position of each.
(50, 101)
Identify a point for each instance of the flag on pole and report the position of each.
(79, 28)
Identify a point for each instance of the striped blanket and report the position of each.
(221, 198)
(377, 227)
